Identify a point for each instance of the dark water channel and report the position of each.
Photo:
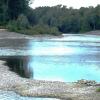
(19, 65)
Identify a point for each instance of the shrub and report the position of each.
(98, 90)
(54, 31)
(22, 22)
(2, 27)
(12, 26)
(27, 31)
(45, 29)
(19, 25)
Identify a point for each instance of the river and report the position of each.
(69, 58)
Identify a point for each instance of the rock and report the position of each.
(87, 82)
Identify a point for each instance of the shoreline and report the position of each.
(4, 34)
(10, 81)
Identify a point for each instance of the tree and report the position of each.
(3, 11)
(22, 22)
(17, 7)
(58, 18)
(11, 9)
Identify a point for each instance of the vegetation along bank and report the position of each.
(18, 16)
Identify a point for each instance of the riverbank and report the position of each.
(10, 81)
(4, 34)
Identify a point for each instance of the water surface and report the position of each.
(70, 58)
(9, 95)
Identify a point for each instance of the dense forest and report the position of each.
(17, 15)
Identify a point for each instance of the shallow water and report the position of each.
(9, 95)
(70, 58)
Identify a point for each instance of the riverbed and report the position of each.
(56, 60)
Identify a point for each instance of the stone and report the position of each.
(87, 82)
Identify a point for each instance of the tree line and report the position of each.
(18, 16)
(11, 9)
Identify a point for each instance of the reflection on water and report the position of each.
(70, 58)
(19, 65)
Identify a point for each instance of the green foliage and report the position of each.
(11, 9)
(17, 7)
(12, 26)
(47, 20)
(2, 27)
(45, 29)
(67, 19)
(22, 22)
(40, 30)
(98, 90)
(3, 12)
(36, 30)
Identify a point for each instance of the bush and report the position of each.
(98, 90)
(12, 26)
(45, 29)
(2, 27)
(22, 22)
(18, 25)
(54, 31)
(27, 31)
(21, 25)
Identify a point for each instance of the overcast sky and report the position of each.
(68, 3)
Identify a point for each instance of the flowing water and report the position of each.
(68, 59)
(5, 95)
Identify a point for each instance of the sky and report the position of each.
(69, 3)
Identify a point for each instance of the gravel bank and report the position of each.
(10, 81)
(4, 34)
